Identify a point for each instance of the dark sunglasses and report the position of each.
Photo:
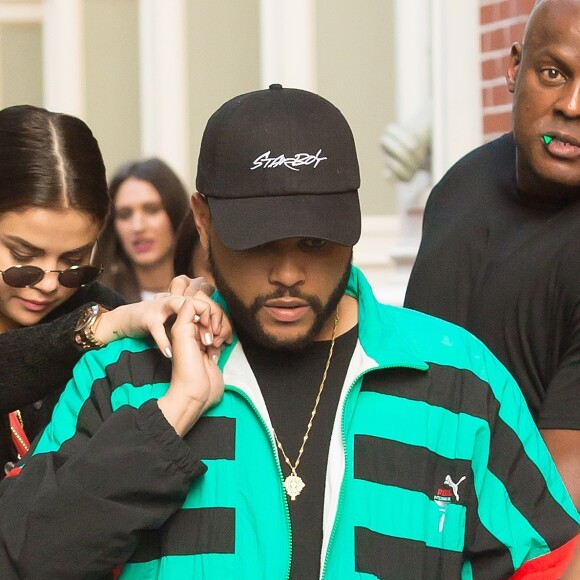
(73, 277)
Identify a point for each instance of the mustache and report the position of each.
(282, 292)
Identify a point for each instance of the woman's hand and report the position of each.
(152, 316)
(196, 380)
(185, 286)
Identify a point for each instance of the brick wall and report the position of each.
(502, 23)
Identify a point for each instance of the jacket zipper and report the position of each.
(347, 458)
(280, 473)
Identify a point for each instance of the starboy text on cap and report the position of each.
(267, 162)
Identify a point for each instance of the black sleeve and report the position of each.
(36, 358)
(77, 513)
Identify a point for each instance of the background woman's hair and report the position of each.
(186, 240)
(50, 160)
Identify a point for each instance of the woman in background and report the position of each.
(149, 202)
(53, 204)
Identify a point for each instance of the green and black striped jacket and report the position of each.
(435, 471)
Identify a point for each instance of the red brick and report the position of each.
(508, 10)
(496, 39)
(524, 6)
(501, 37)
(516, 33)
(497, 123)
(504, 9)
(489, 13)
(487, 70)
(495, 12)
(490, 69)
(494, 68)
(493, 96)
(487, 97)
(486, 41)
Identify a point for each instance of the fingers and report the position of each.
(206, 315)
(188, 338)
(199, 285)
(213, 353)
(196, 382)
(214, 317)
(195, 387)
(216, 381)
(207, 288)
(185, 286)
(159, 335)
(179, 285)
(156, 316)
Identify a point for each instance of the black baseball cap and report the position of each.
(280, 163)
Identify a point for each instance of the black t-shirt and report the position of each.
(289, 383)
(508, 270)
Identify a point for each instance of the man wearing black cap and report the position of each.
(342, 438)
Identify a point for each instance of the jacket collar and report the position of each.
(384, 330)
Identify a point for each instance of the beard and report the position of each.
(245, 319)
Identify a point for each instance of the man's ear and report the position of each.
(513, 66)
(202, 218)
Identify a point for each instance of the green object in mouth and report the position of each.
(547, 139)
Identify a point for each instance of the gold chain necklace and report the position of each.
(293, 483)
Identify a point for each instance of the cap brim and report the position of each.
(249, 222)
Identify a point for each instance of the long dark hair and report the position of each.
(185, 242)
(119, 273)
(50, 160)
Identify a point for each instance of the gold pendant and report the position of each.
(293, 485)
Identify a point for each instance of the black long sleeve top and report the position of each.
(36, 363)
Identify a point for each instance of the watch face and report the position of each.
(84, 330)
(81, 322)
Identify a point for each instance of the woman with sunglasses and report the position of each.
(53, 204)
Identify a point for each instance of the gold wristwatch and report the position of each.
(84, 330)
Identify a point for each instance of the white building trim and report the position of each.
(458, 116)
(63, 62)
(288, 43)
(21, 13)
(165, 83)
